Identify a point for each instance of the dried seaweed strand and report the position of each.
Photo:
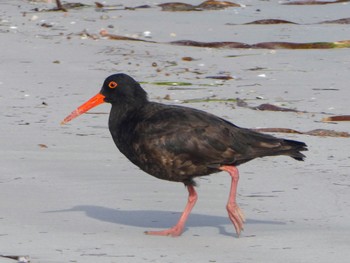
(337, 118)
(316, 132)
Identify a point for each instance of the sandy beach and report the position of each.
(68, 195)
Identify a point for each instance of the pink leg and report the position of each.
(234, 212)
(179, 227)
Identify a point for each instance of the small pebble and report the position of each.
(34, 17)
(187, 58)
(147, 34)
(104, 17)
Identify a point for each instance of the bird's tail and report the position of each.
(266, 145)
(293, 149)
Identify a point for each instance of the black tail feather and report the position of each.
(293, 149)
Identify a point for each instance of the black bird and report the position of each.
(178, 143)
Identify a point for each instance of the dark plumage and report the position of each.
(178, 143)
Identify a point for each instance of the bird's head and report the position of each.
(116, 89)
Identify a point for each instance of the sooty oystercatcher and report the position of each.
(178, 143)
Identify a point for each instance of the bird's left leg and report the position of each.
(234, 212)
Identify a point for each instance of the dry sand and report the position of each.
(68, 195)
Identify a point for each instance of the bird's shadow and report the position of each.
(157, 219)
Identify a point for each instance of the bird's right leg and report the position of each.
(179, 227)
(234, 212)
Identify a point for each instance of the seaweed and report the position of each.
(316, 132)
(314, 2)
(206, 5)
(336, 118)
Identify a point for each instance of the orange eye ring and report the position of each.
(112, 84)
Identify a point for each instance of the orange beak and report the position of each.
(93, 102)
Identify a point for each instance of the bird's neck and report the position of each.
(123, 114)
(122, 123)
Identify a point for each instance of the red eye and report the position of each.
(112, 84)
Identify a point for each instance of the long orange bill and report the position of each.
(93, 102)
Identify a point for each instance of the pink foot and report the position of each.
(174, 232)
(236, 216)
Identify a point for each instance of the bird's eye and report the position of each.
(112, 84)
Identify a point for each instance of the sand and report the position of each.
(68, 195)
